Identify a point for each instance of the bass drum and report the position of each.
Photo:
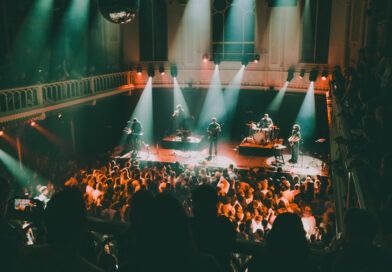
(259, 138)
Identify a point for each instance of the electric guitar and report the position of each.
(293, 140)
(214, 132)
(129, 131)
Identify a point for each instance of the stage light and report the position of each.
(290, 74)
(139, 70)
(1, 132)
(307, 114)
(313, 75)
(302, 73)
(324, 74)
(206, 58)
(217, 59)
(276, 103)
(173, 70)
(210, 106)
(151, 70)
(33, 123)
(162, 70)
(257, 58)
(19, 172)
(245, 60)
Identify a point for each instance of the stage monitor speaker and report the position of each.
(282, 3)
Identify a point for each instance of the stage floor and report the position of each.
(227, 154)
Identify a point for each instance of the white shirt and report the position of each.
(309, 223)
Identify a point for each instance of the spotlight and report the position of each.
(313, 74)
(245, 60)
(33, 123)
(162, 70)
(173, 70)
(290, 74)
(1, 132)
(205, 58)
(139, 70)
(151, 70)
(257, 58)
(324, 74)
(302, 73)
(217, 59)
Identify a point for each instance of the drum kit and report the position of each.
(261, 136)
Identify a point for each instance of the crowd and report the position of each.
(364, 94)
(188, 219)
(251, 199)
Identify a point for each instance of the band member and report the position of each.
(294, 142)
(213, 130)
(266, 122)
(135, 131)
(179, 118)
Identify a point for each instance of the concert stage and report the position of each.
(251, 149)
(228, 153)
(175, 142)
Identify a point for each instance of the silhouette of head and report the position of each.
(288, 232)
(141, 208)
(204, 200)
(173, 237)
(65, 216)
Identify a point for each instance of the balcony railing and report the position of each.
(30, 97)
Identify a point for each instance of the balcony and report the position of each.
(34, 101)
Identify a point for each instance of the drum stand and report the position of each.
(278, 154)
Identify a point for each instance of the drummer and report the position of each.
(265, 122)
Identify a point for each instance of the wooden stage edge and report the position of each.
(228, 153)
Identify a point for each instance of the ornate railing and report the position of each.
(24, 98)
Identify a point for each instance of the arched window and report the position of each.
(233, 29)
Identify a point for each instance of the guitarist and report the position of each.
(213, 130)
(294, 142)
(135, 131)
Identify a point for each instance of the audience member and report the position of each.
(65, 221)
(213, 234)
(10, 239)
(360, 253)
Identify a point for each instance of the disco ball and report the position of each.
(119, 11)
